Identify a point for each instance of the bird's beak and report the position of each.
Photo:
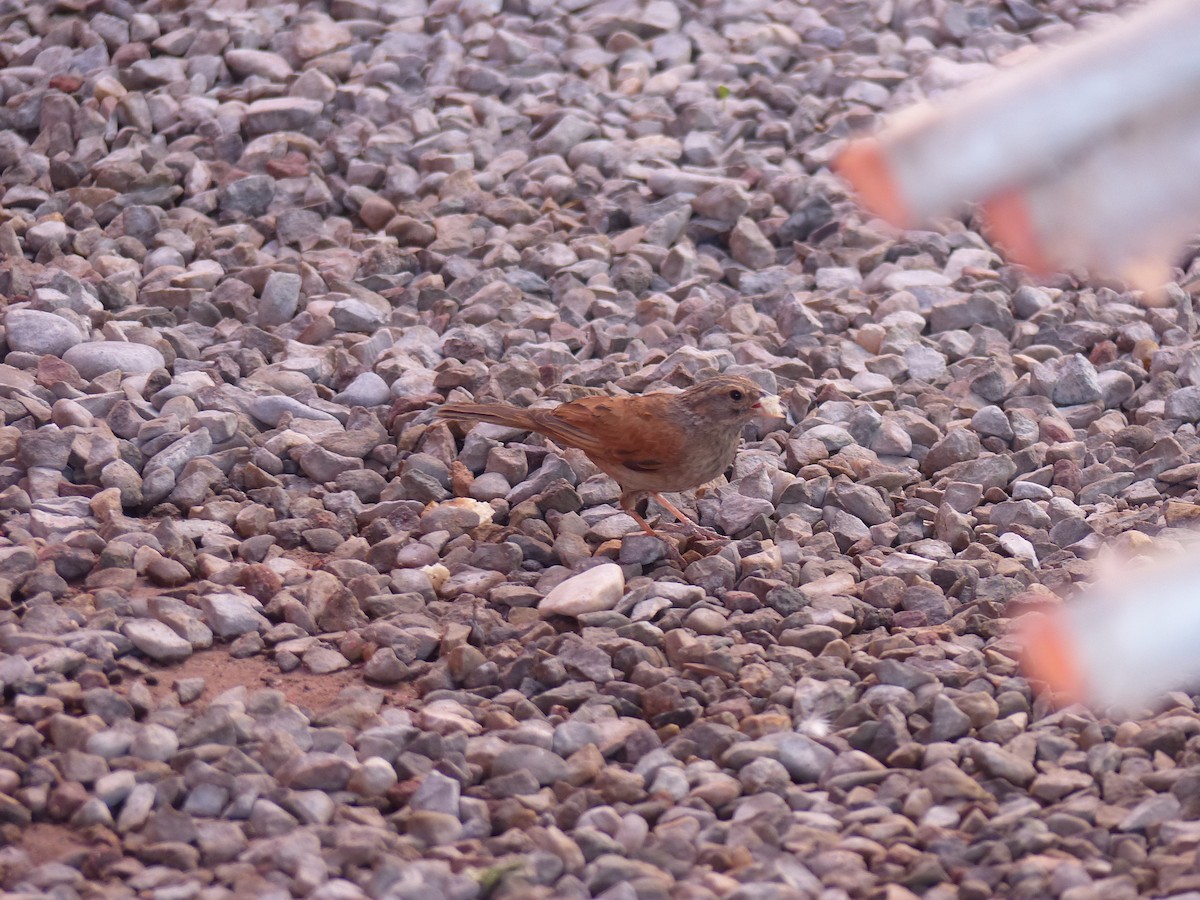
(770, 406)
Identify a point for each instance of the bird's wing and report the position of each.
(631, 432)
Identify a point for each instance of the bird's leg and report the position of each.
(674, 510)
(687, 521)
(645, 525)
(628, 502)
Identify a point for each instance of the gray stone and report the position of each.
(569, 131)
(353, 314)
(280, 298)
(155, 742)
(251, 195)
(992, 422)
(959, 445)
(177, 455)
(436, 793)
(157, 641)
(1077, 382)
(949, 722)
(1154, 810)
(373, 778)
(232, 615)
(928, 599)
(136, 809)
(544, 765)
(272, 408)
(315, 771)
(269, 66)
(803, 758)
(924, 363)
(1184, 403)
(1027, 513)
(34, 331)
(97, 357)
(433, 829)
(1000, 763)
(323, 660)
(749, 246)
(368, 389)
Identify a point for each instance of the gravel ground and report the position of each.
(269, 630)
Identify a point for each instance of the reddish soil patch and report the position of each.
(221, 672)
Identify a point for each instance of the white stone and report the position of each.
(1018, 547)
(596, 589)
(157, 641)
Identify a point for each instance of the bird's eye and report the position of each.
(735, 394)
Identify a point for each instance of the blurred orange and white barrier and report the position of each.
(1087, 156)
(1127, 639)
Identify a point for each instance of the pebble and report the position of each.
(231, 615)
(35, 331)
(98, 357)
(373, 778)
(157, 641)
(155, 742)
(315, 770)
(271, 409)
(367, 389)
(269, 66)
(323, 660)
(280, 298)
(597, 589)
(997, 762)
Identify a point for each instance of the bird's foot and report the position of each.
(674, 555)
(672, 545)
(695, 531)
(700, 533)
(687, 523)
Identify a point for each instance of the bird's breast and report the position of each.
(704, 457)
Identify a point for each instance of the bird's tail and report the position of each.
(495, 413)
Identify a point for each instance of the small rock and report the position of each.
(97, 357)
(157, 641)
(1077, 382)
(1002, 764)
(749, 247)
(373, 778)
(323, 660)
(232, 615)
(315, 770)
(34, 331)
(367, 389)
(280, 298)
(597, 589)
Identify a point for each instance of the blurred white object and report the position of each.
(1122, 642)
(1083, 157)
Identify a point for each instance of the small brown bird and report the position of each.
(649, 444)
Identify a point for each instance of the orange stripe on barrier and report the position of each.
(1048, 657)
(1009, 224)
(864, 164)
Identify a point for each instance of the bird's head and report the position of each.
(731, 400)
